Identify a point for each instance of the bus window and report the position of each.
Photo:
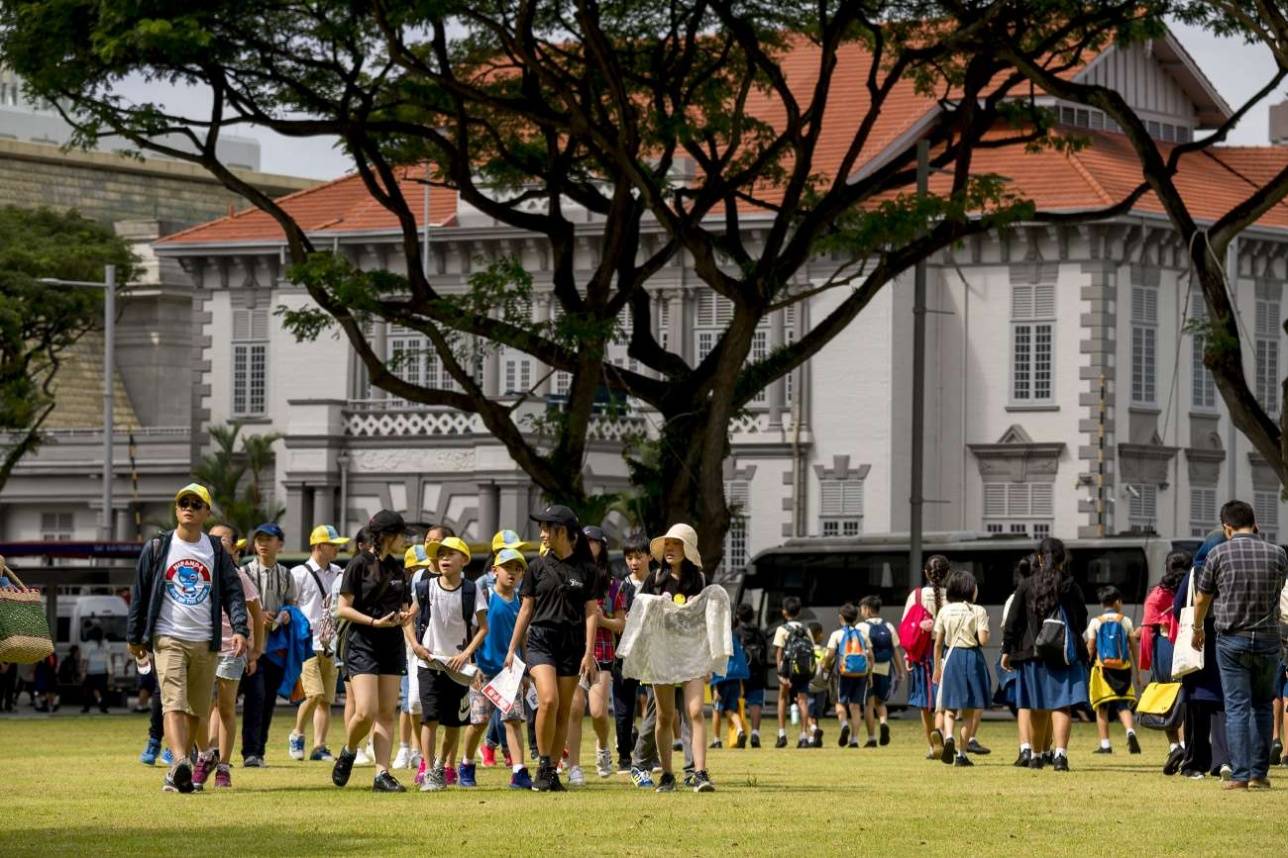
(994, 572)
(827, 580)
(113, 628)
(1124, 568)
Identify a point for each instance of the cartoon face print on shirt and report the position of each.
(187, 582)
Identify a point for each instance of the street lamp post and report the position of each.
(109, 361)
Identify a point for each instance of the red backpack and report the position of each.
(914, 630)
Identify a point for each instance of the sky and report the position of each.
(1236, 70)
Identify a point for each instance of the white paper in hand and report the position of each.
(503, 690)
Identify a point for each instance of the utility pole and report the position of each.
(916, 499)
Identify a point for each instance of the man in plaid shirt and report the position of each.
(1241, 583)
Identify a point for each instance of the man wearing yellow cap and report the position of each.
(183, 584)
(313, 581)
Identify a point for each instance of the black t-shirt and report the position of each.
(377, 586)
(663, 583)
(559, 590)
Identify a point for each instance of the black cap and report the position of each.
(595, 533)
(385, 522)
(557, 514)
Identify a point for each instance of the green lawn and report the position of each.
(73, 786)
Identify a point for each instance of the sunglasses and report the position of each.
(189, 503)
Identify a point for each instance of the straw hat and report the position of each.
(684, 534)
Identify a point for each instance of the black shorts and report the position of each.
(561, 648)
(442, 699)
(376, 651)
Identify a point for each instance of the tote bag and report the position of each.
(1185, 658)
(24, 631)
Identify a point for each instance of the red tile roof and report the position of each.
(1094, 177)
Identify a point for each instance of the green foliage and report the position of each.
(39, 321)
(235, 475)
(1216, 339)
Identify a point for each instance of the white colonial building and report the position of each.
(1062, 394)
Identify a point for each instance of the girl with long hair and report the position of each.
(1157, 631)
(921, 685)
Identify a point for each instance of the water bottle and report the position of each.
(143, 665)
(796, 714)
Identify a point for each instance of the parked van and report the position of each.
(78, 614)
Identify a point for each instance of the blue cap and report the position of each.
(268, 528)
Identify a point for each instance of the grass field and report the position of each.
(73, 786)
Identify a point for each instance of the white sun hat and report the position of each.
(685, 534)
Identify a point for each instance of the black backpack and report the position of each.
(469, 596)
(798, 653)
(756, 646)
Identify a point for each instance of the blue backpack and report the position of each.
(882, 641)
(851, 653)
(736, 668)
(1112, 646)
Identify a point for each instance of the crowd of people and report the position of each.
(511, 663)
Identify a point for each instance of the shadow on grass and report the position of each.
(154, 838)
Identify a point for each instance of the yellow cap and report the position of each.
(416, 558)
(452, 542)
(196, 490)
(506, 539)
(325, 534)
(507, 555)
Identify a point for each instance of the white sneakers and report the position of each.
(604, 763)
(403, 758)
(575, 776)
(364, 756)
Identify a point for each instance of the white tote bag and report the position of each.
(1185, 658)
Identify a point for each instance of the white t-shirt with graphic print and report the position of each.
(186, 591)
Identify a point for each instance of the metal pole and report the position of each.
(916, 500)
(109, 361)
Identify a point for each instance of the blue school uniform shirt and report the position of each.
(501, 618)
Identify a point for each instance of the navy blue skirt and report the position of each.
(1160, 669)
(965, 683)
(921, 690)
(1043, 686)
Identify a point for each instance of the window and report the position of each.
(518, 375)
(664, 325)
(413, 358)
(1202, 512)
(57, 526)
(1142, 510)
(760, 351)
(735, 546)
(841, 509)
(1032, 334)
(1268, 356)
(713, 313)
(250, 362)
(1144, 345)
(1018, 508)
(1203, 389)
(789, 337)
(1266, 507)
(618, 349)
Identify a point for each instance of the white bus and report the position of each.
(827, 572)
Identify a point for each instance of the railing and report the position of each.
(95, 433)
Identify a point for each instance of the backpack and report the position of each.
(1111, 643)
(914, 630)
(852, 659)
(756, 646)
(1053, 643)
(327, 630)
(882, 641)
(469, 595)
(798, 653)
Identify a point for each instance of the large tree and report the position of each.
(707, 129)
(39, 321)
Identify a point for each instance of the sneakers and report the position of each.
(466, 775)
(295, 746)
(677, 745)
(150, 752)
(1133, 744)
(449, 776)
(1276, 752)
(253, 762)
(854, 743)
(755, 740)
(223, 776)
(321, 754)
(604, 763)
(885, 734)
(870, 743)
(167, 757)
(545, 780)
(974, 747)
(1037, 761)
(420, 772)
(1226, 772)
(937, 742)
(434, 780)
(624, 766)
(489, 755)
(818, 738)
(1174, 759)
(781, 742)
(181, 776)
(1023, 760)
(1259, 783)
(690, 778)
(949, 753)
(167, 783)
(576, 777)
(416, 761)
(702, 782)
(716, 743)
(343, 767)
(521, 779)
(363, 757)
(201, 771)
(1103, 750)
(1061, 763)
(844, 738)
(742, 741)
(555, 784)
(962, 762)
(667, 784)
(641, 778)
(385, 782)
(403, 758)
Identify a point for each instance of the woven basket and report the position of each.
(24, 629)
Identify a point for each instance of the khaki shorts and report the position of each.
(318, 678)
(186, 674)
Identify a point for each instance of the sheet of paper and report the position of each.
(503, 690)
(464, 676)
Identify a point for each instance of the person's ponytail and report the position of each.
(936, 571)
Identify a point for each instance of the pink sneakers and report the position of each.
(201, 771)
(489, 755)
(223, 776)
(449, 775)
(420, 772)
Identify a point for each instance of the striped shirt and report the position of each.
(1245, 576)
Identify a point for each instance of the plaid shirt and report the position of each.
(606, 641)
(1245, 577)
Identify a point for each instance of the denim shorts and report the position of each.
(230, 667)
